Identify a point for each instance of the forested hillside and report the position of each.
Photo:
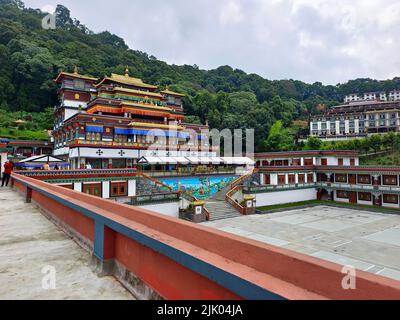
(228, 98)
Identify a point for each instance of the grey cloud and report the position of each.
(320, 40)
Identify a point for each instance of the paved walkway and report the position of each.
(30, 244)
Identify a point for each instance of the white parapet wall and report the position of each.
(290, 196)
(105, 186)
(365, 203)
(390, 205)
(78, 186)
(170, 209)
(131, 188)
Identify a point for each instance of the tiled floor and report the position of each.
(368, 241)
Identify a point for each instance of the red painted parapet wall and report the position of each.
(181, 260)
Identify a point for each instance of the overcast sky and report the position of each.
(329, 41)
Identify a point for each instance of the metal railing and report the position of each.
(228, 198)
(155, 197)
(359, 186)
(77, 172)
(258, 189)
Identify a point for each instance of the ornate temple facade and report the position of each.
(119, 121)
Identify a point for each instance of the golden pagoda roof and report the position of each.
(75, 74)
(145, 93)
(172, 93)
(128, 80)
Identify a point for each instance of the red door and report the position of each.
(353, 197)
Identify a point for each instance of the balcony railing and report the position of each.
(160, 197)
(142, 145)
(368, 188)
(281, 187)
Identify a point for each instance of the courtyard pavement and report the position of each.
(368, 241)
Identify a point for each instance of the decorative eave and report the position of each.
(172, 93)
(143, 93)
(145, 105)
(74, 75)
(127, 80)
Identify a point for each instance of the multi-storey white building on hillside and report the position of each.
(368, 96)
(359, 117)
(394, 95)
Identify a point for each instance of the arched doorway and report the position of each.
(324, 194)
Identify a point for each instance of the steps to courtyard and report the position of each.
(221, 210)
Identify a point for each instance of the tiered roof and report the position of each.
(172, 93)
(76, 75)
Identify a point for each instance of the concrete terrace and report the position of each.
(29, 242)
(369, 241)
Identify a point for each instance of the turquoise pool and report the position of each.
(200, 187)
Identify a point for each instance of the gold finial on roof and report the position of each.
(76, 70)
(126, 71)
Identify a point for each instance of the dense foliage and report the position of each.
(31, 57)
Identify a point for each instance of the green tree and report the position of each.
(279, 138)
(313, 143)
(375, 143)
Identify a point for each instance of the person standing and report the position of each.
(8, 167)
(46, 167)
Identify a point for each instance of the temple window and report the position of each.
(79, 84)
(341, 177)
(342, 194)
(171, 100)
(390, 198)
(364, 196)
(120, 138)
(93, 136)
(364, 179)
(390, 180)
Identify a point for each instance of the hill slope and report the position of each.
(226, 97)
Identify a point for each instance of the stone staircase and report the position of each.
(221, 210)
